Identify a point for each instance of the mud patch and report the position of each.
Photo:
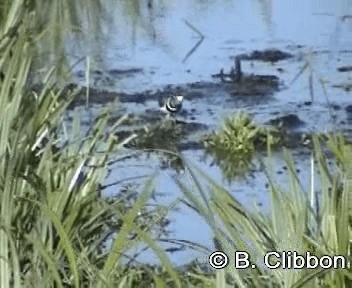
(252, 85)
(288, 121)
(344, 69)
(165, 134)
(268, 55)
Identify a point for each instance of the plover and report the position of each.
(171, 104)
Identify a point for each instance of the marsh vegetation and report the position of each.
(58, 231)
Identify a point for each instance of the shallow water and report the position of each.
(157, 41)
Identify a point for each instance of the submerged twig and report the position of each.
(310, 80)
(192, 50)
(87, 82)
(307, 65)
(194, 29)
(195, 47)
(300, 72)
(327, 101)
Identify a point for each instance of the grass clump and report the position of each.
(293, 223)
(162, 138)
(235, 144)
(54, 222)
(162, 135)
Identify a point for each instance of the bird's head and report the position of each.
(179, 98)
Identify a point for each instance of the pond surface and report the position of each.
(145, 49)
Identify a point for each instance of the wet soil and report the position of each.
(253, 90)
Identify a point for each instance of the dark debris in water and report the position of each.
(249, 85)
(349, 109)
(165, 138)
(254, 85)
(349, 113)
(162, 133)
(287, 121)
(100, 97)
(344, 69)
(347, 86)
(113, 73)
(268, 55)
(127, 72)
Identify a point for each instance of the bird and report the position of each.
(171, 104)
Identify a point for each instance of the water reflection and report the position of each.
(155, 36)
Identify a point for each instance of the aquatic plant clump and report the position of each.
(162, 138)
(162, 135)
(235, 144)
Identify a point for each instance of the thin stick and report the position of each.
(310, 80)
(192, 50)
(327, 101)
(194, 29)
(312, 192)
(195, 47)
(305, 66)
(87, 81)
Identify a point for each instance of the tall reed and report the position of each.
(291, 224)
